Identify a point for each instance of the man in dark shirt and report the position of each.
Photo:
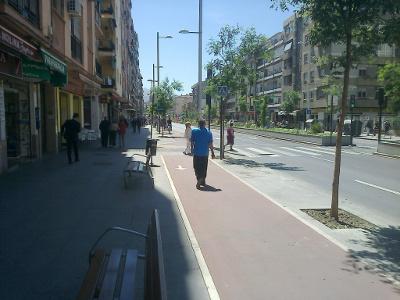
(104, 127)
(70, 130)
(202, 141)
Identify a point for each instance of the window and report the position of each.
(311, 93)
(362, 72)
(304, 96)
(305, 77)
(362, 93)
(311, 76)
(76, 44)
(287, 80)
(306, 40)
(27, 9)
(58, 6)
(305, 59)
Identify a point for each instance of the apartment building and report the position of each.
(56, 58)
(181, 103)
(293, 67)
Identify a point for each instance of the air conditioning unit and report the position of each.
(74, 7)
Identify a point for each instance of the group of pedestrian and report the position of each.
(109, 131)
(137, 123)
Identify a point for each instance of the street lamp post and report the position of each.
(158, 54)
(200, 46)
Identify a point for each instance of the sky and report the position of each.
(179, 55)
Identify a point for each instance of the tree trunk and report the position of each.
(338, 152)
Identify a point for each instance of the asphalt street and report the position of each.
(369, 184)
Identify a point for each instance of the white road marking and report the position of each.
(343, 151)
(316, 150)
(281, 151)
(241, 152)
(262, 152)
(180, 168)
(301, 151)
(378, 187)
(324, 159)
(212, 290)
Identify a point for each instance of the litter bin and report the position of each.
(347, 127)
(151, 145)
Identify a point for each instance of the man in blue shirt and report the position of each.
(202, 140)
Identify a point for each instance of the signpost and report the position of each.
(352, 105)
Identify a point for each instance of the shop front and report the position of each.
(18, 101)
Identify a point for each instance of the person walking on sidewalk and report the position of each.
(202, 140)
(122, 126)
(188, 136)
(113, 133)
(70, 130)
(104, 127)
(138, 124)
(230, 136)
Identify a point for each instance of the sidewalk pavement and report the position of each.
(51, 213)
(255, 249)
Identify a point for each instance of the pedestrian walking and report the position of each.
(113, 133)
(122, 126)
(188, 136)
(133, 123)
(202, 140)
(104, 127)
(230, 136)
(138, 124)
(70, 130)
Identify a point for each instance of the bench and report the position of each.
(111, 274)
(135, 166)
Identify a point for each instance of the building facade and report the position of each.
(58, 58)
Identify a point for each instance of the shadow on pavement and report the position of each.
(51, 213)
(209, 188)
(385, 256)
(253, 164)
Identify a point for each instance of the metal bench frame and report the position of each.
(142, 168)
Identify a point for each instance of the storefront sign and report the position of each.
(2, 114)
(11, 40)
(10, 65)
(33, 69)
(54, 63)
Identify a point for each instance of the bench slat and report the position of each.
(110, 279)
(128, 281)
(87, 289)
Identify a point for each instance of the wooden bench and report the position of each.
(135, 166)
(111, 274)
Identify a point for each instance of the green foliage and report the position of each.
(164, 95)
(389, 76)
(316, 127)
(213, 110)
(234, 56)
(290, 101)
(242, 104)
(263, 114)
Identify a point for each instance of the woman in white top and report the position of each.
(188, 136)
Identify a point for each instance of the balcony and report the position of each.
(28, 10)
(76, 48)
(107, 12)
(106, 48)
(108, 83)
(99, 71)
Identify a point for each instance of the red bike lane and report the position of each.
(254, 249)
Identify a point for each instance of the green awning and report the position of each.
(33, 69)
(53, 63)
(58, 69)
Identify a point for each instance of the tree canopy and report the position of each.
(389, 76)
(164, 93)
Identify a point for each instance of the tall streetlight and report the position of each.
(158, 54)
(200, 33)
(152, 104)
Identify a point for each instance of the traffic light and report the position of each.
(352, 101)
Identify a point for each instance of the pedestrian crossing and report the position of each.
(311, 151)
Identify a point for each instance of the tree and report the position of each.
(263, 114)
(242, 105)
(164, 93)
(389, 77)
(354, 24)
(290, 101)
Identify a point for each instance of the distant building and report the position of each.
(181, 103)
(200, 104)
